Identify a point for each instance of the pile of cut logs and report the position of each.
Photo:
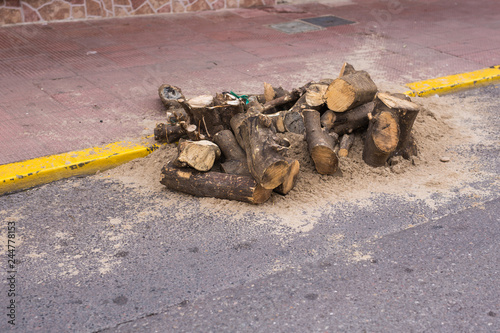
(229, 148)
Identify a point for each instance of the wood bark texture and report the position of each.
(214, 184)
(235, 158)
(264, 158)
(349, 91)
(382, 136)
(349, 121)
(321, 145)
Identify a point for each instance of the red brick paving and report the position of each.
(69, 86)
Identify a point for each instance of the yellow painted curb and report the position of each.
(447, 84)
(29, 173)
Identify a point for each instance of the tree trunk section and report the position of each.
(168, 133)
(345, 145)
(349, 91)
(214, 184)
(235, 158)
(264, 158)
(407, 112)
(321, 145)
(349, 121)
(382, 136)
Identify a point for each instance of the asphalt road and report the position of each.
(95, 256)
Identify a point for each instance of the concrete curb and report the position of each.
(452, 83)
(25, 174)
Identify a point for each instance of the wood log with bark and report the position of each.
(320, 144)
(169, 96)
(352, 120)
(382, 136)
(349, 91)
(210, 114)
(199, 155)
(345, 144)
(168, 133)
(235, 158)
(214, 184)
(265, 157)
(407, 112)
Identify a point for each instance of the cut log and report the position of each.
(346, 69)
(327, 119)
(265, 161)
(278, 119)
(214, 184)
(235, 159)
(315, 95)
(291, 97)
(168, 133)
(382, 136)
(349, 121)
(349, 91)
(345, 145)
(199, 155)
(406, 111)
(294, 122)
(169, 96)
(211, 118)
(321, 145)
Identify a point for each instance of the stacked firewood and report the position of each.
(229, 145)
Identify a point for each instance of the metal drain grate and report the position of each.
(295, 27)
(327, 21)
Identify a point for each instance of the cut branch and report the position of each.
(321, 145)
(214, 184)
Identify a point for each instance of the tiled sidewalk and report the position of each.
(69, 86)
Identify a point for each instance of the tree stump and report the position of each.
(382, 136)
(407, 112)
(214, 184)
(349, 91)
(320, 144)
(264, 155)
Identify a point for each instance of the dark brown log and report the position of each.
(209, 117)
(321, 145)
(168, 133)
(214, 184)
(291, 97)
(294, 122)
(406, 111)
(349, 91)
(264, 155)
(278, 121)
(199, 155)
(382, 136)
(346, 69)
(169, 96)
(345, 145)
(235, 159)
(349, 121)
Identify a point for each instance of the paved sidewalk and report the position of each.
(70, 86)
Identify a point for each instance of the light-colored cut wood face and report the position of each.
(386, 132)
